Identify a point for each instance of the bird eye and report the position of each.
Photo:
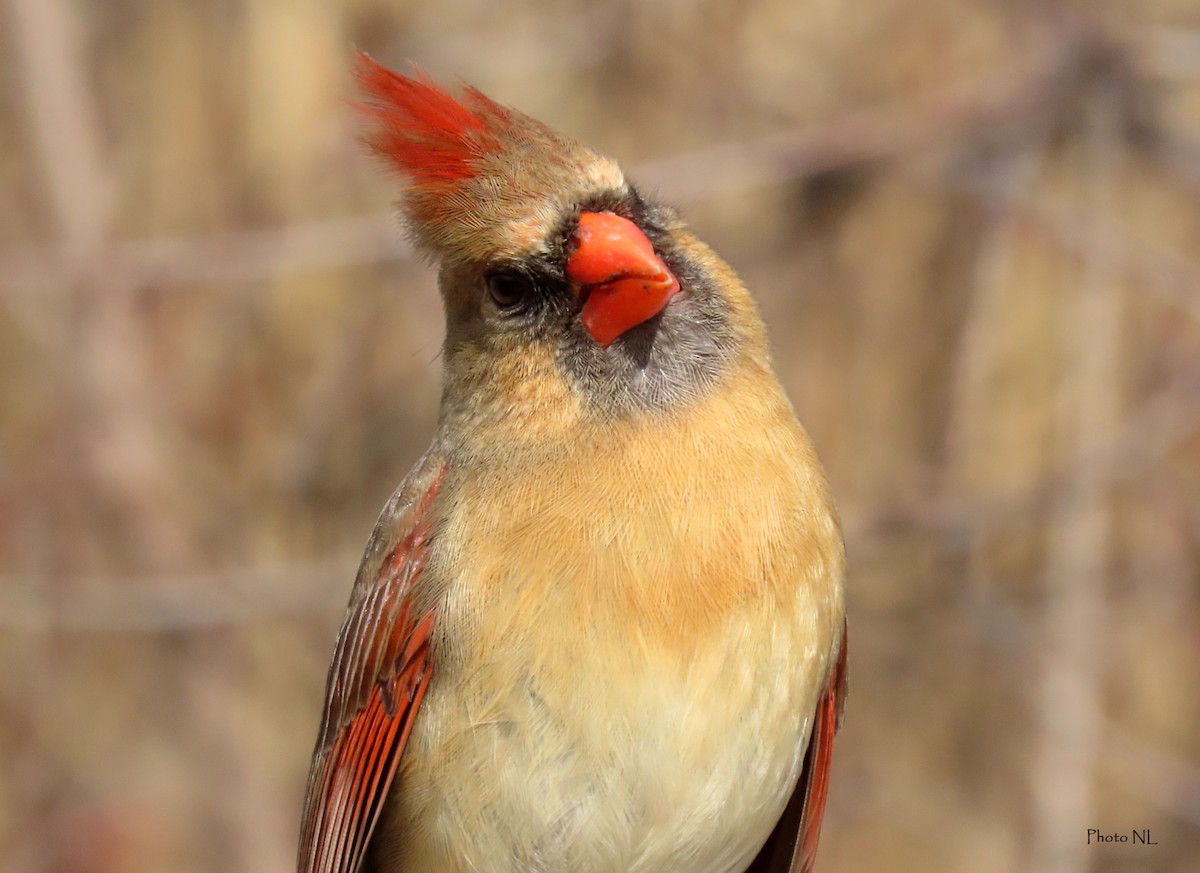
(507, 289)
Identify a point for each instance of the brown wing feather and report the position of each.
(377, 679)
(792, 846)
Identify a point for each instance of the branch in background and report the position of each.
(173, 604)
(1075, 623)
(62, 114)
(1171, 53)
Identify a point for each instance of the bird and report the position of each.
(601, 626)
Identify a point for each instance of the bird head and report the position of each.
(570, 298)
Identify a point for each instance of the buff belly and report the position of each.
(663, 763)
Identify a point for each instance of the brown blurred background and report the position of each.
(973, 227)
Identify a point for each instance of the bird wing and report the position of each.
(378, 676)
(792, 846)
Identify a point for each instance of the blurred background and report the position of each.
(974, 229)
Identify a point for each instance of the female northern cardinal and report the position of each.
(600, 626)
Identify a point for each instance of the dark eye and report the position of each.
(509, 289)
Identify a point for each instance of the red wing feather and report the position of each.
(792, 845)
(818, 760)
(377, 679)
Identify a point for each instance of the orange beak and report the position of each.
(623, 282)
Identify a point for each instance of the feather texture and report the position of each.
(423, 130)
(818, 759)
(377, 680)
(485, 182)
(792, 846)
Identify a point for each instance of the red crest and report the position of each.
(430, 136)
